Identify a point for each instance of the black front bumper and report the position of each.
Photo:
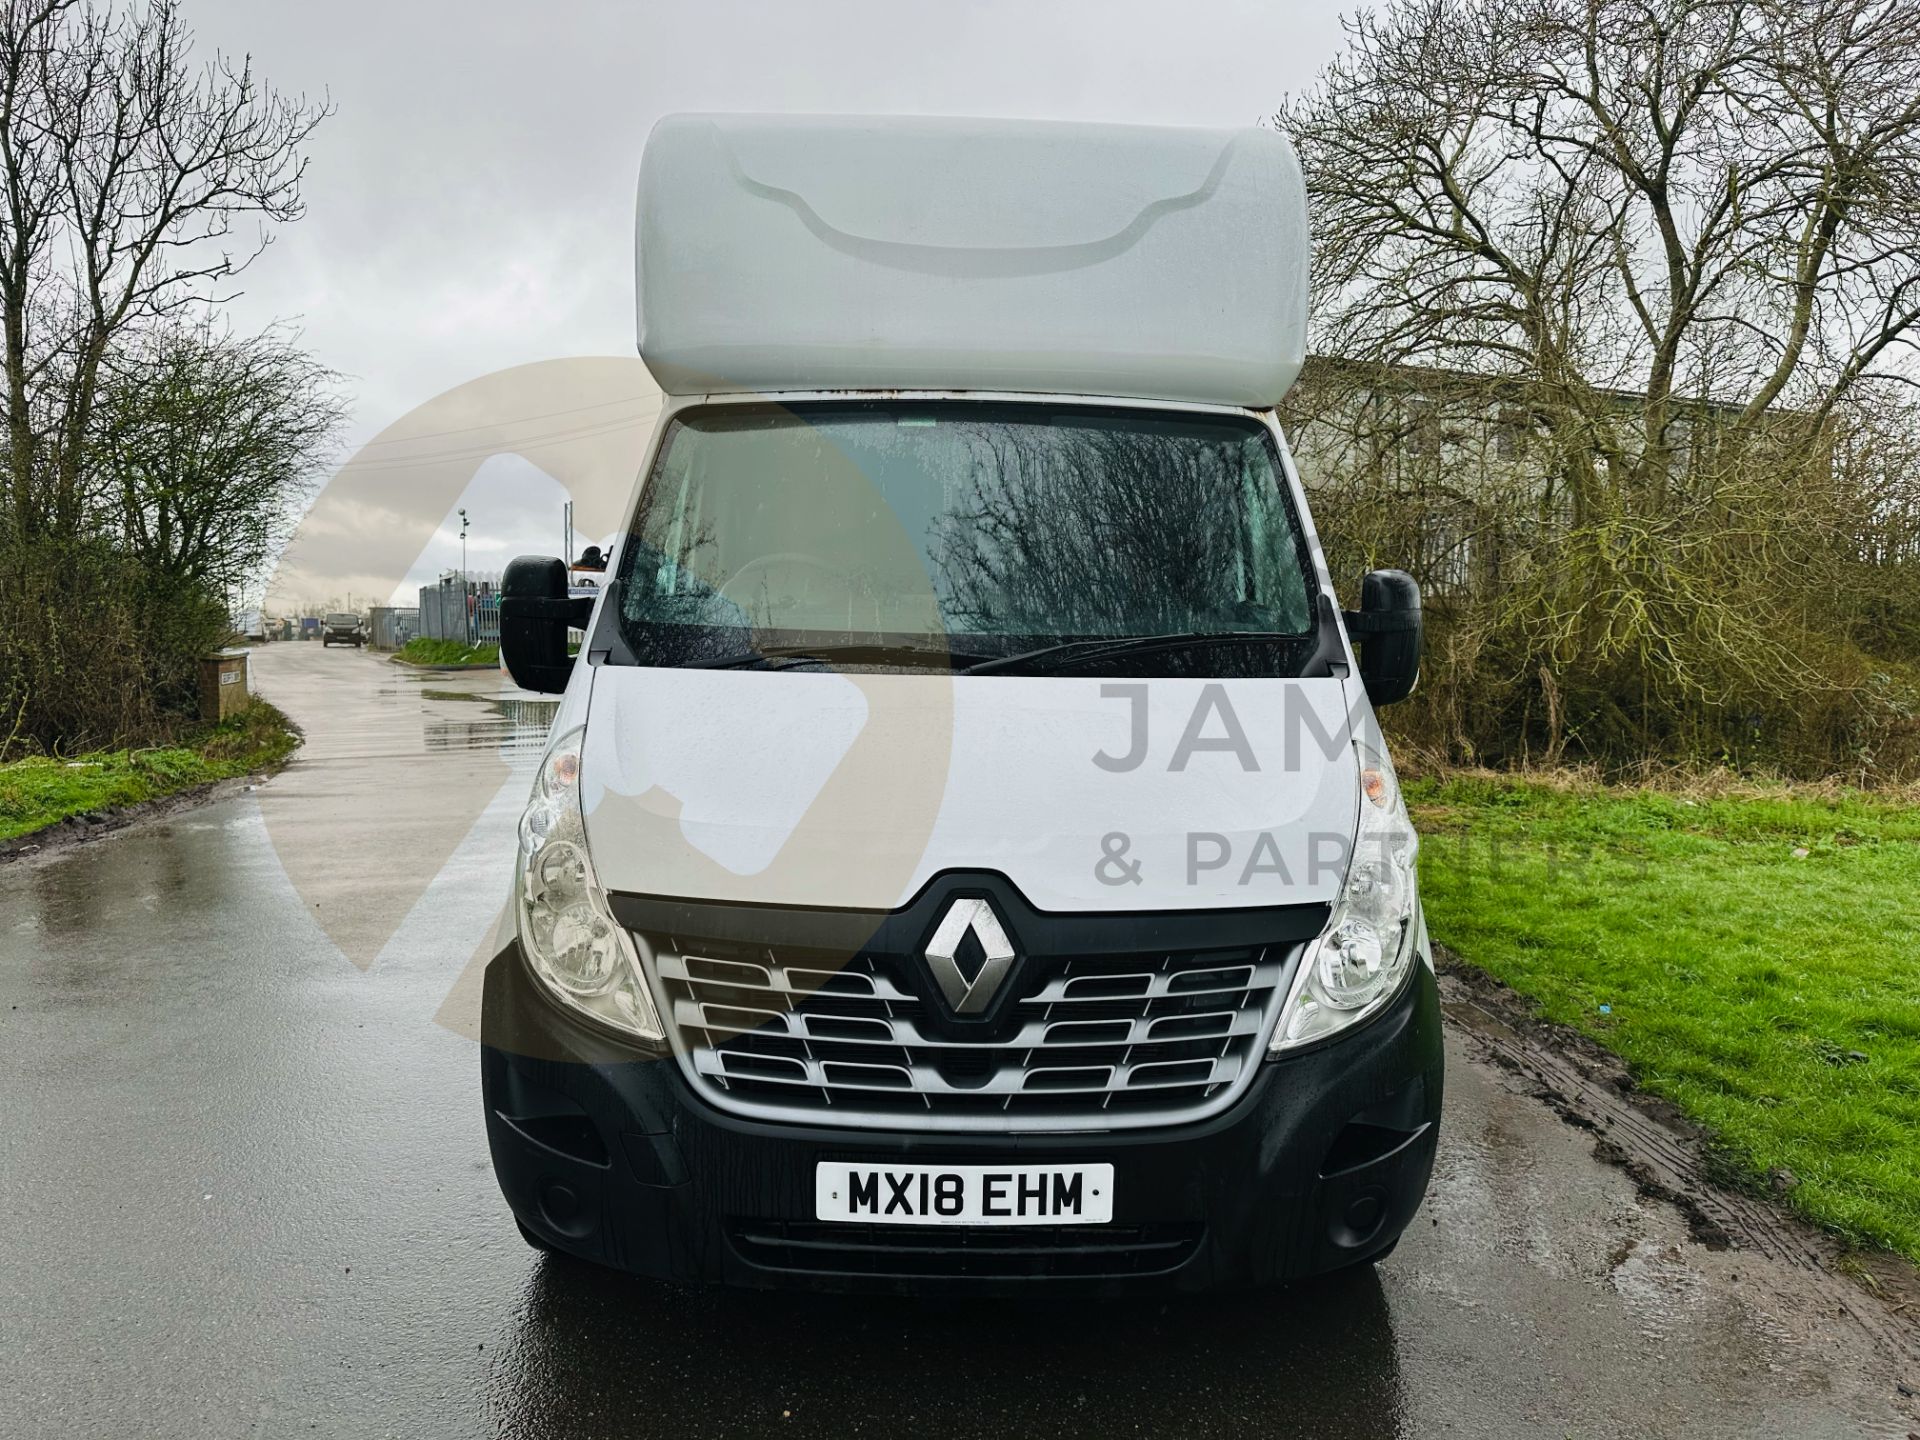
(610, 1155)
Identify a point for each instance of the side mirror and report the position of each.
(1387, 631)
(535, 615)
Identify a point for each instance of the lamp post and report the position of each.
(466, 612)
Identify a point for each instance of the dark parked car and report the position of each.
(343, 630)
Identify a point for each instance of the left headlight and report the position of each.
(1359, 960)
(567, 932)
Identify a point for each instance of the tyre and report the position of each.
(1374, 1259)
(533, 1240)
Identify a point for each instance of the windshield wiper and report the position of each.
(789, 657)
(1074, 651)
(750, 660)
(793, 657)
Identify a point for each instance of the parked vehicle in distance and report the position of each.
(966, 856)
(343, 629)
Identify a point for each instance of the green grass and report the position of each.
(421, 651)
(38, 792)
(1773, 995)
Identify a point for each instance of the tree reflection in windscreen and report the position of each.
(1008, 524)
(1092, 526)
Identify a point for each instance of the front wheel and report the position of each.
(1369, 1261)
(534, 1241)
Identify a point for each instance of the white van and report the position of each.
(966, 856)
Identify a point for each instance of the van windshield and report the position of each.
(970, 530)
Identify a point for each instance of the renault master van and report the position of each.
(965, 855)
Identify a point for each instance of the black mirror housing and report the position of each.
(1387, 630)
(535, 615)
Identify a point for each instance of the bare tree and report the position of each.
(143, 453)
(126, 169)
(212, 444)
(1671, 242)
(1716, 199)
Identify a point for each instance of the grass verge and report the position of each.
(36, 793)
(1754, 956)
(421, 651)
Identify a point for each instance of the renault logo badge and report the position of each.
(969, 995)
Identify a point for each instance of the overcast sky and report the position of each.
(470, 204)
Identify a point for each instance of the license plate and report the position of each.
(964, 1194)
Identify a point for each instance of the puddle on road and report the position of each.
(1660, 1288)
(516, 727)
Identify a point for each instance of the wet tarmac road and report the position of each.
(247, 1192)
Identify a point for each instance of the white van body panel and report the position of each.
(852, 790)
(780, 252)
(844, 790)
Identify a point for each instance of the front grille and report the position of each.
(962, 1253)
(1083, 1042)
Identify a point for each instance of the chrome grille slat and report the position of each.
(1055, 993)
(675, 967)
(836, 1075)
(1083, 1041)
(1036, 1035)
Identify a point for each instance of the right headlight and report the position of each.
(567, 932)
(1359, 960)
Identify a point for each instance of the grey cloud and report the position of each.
(471, 202)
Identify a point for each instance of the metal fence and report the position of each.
(444, 616)
(440, 617)
(392, 626)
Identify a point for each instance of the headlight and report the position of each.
(1359, 960)
(567, 933)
